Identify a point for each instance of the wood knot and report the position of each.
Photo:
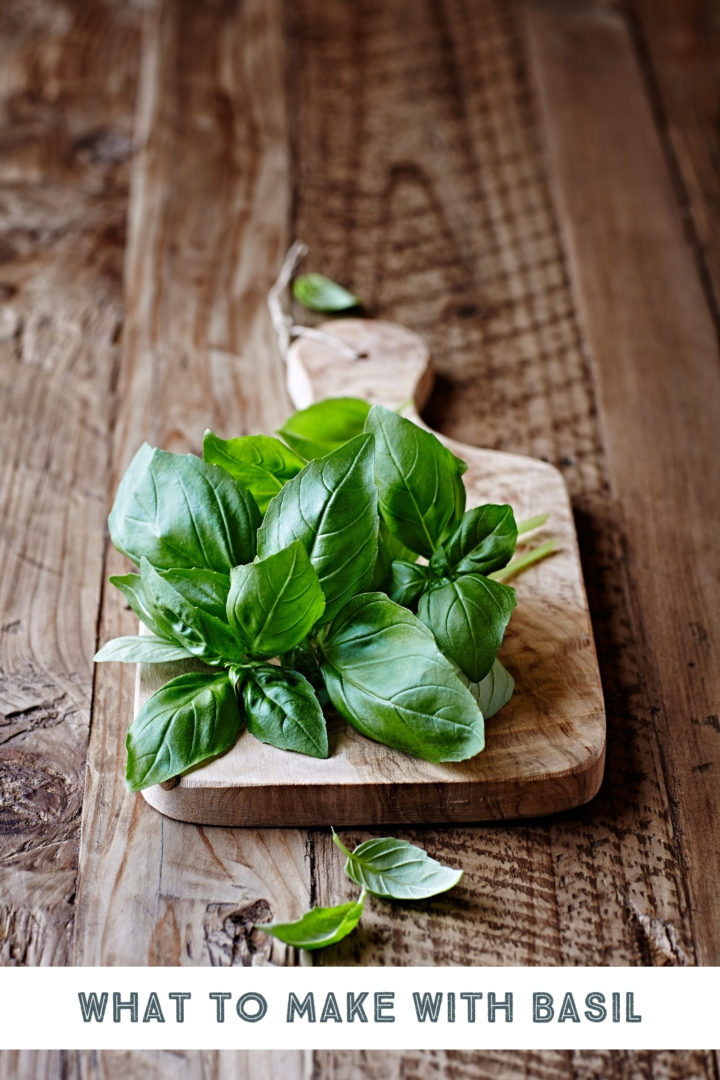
(32, 794)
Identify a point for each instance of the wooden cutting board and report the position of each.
(544, 751)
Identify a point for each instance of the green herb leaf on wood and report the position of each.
(275, 602)
(468, 617)
(187, 721)
(260, 463)
(177, 511)
(142, 649)
(319, 927)
(483, 541)
(421, 492)
(281, 709)
(397, 870)
(325, 426)
(331, 507)
(320, 293)
(387, 677)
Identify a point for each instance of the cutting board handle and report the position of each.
(382, 362)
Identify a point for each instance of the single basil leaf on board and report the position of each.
(483, 541)
(187, 721)
(468, 617)
(177, 511)
(325, 426)
(202, 634)
(420, 488)
(319, 927)
(387, 677)
(492, 692)
(320, 293)
(143, 649)
(130, 585)
(275, 602)
(261, 463)
(407, 582)
(281, 709)
(397, 870)
(389, 549)
(331, 506)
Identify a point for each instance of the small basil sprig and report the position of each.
(320, 293)
(388, 868)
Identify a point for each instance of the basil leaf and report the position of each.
(175, 510)
(188, 720)
(304, 660)
(468, 618)
(130, 586)
(385, 674)
(389, 549)
(281, 709)
(331, 506)
(483, 541)
(274, 603)
(407, 582)
(319, 927)
(325, 426)
(319, 293)
(206, 589)
(421, 493)
(397, 870)
(492, 692)
(202, 634)
(143, 649)
(261, 463)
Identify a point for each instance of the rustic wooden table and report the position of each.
(533, 186)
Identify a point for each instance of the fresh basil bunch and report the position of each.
(338, 565)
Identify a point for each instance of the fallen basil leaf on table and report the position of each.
(320, 293)
(397, 870)
(492, 692)
(203, 519)
(282, 709)
(141, 649)
(325, 426)
(331, 506)
(420, 489)
(319, 927)
(274, 602)
(261, 463)
(187, 721)
(387, 677)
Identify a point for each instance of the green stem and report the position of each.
(523, 561)
(338, 843)
(531, 523)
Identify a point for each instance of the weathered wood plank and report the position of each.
(421, 186)
(208, 229)
(65, 143)
(655, 352)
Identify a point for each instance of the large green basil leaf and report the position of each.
(177, 511)
(331, 506)
(142, 649)
(203, 635)
(387, 677)
(421, 493)
(318, 927)
(492, 692)
(407, 582)
(325, 426)
(275, 602)
(396, 869)
(188, 720)
(281, 709)
(468, 617)
(320, 293)
(483, 541)
(260, 463)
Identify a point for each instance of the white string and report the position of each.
(285, 328)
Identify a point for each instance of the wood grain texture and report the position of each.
(153, 891)
(544, 751)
